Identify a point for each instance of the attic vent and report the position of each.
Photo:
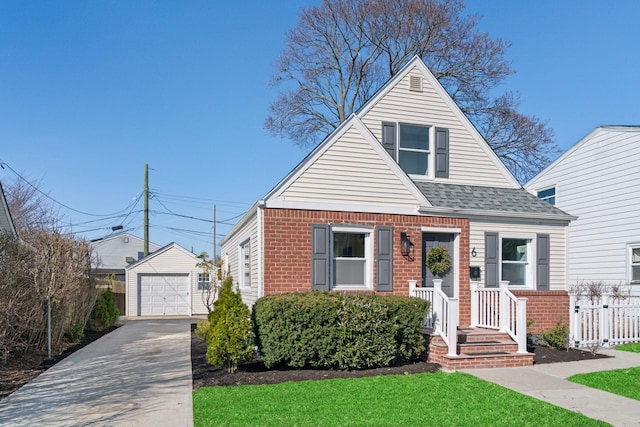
(415, 83)
(129, 260)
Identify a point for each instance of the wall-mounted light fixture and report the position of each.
(406, 247)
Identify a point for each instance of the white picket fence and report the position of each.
(604, 322)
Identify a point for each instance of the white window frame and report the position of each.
(555, 194)
(203, 278)
(630, 263)
(430, 152)
(244, 248)
(368, 257)
(530, 276)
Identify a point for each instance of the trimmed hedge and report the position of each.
(334, 330)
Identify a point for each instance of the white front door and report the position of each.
(164, 294)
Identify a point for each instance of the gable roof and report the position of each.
(513, 202)
(352, 122)
(416, 62)
(119, 235)
(6, 222)
(160, 251)
(579, 144)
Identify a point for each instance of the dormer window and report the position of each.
(413, 149)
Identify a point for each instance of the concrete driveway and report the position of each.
(138, 375)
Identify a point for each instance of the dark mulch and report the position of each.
(255, 373)
(22, 368)
(544, 354)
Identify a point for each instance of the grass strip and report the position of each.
(443, 399)
(631, 347)
(623, 382)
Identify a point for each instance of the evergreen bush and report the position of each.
(105, 312)
(230, 337)
(558, 336)
(332, 330)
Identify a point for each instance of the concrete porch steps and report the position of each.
(477, 348)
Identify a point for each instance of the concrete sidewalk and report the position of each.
(138, 375)
(548, 382)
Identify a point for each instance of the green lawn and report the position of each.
(442, 399)
(624, 382)
(632, 347)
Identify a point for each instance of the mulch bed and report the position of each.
(255, 373)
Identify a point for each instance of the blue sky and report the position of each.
(91, 91)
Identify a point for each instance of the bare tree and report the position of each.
(343, 50)
(30, 209)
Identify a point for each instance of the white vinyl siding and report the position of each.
(557, 243)
(230, 250)
(170, 262)
(351, 172)
(597, 181)
(468, 162)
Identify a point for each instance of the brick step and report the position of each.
(477, 348)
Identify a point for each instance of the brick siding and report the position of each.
(287, 248)
(545, 308)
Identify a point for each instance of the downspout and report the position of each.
(260, 219)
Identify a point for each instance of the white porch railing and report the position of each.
(606, 321)
(498, 308)
(443, 313)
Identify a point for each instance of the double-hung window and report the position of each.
(516, 261)
(635, 264)
(413, 149)
(204, 281)
(351, 257)
(245, 264)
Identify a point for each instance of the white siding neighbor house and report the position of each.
(167, 282)
(406, 173)
(112, 254)
(597, 181)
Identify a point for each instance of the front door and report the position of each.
(429, 240)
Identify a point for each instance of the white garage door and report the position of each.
(166, 294)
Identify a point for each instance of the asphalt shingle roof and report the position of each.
(511, 200)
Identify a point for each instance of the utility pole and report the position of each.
(146, 209)
(214, 235)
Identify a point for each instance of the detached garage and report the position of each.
(165, 283)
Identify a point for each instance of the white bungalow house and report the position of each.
(597, 181)
(406, 173)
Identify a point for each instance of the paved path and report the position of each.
(138, 375)
(548, 382)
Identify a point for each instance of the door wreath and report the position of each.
(438, 260)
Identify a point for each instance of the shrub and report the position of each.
(323, 330)
(202, 328)
(75, 332)
(229, 338)
(558, 336)
(105, 313)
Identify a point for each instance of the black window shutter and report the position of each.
(442, 153)
(491, 261)
(320, 257)
(542, 262)
(389, 138)
(384, 259)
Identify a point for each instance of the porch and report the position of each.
(495, 337)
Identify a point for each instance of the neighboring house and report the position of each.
(6, 222)
(597, 181)
(167, 282)
(112, 254)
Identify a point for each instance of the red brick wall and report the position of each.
(287, 248)
(545, 308)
